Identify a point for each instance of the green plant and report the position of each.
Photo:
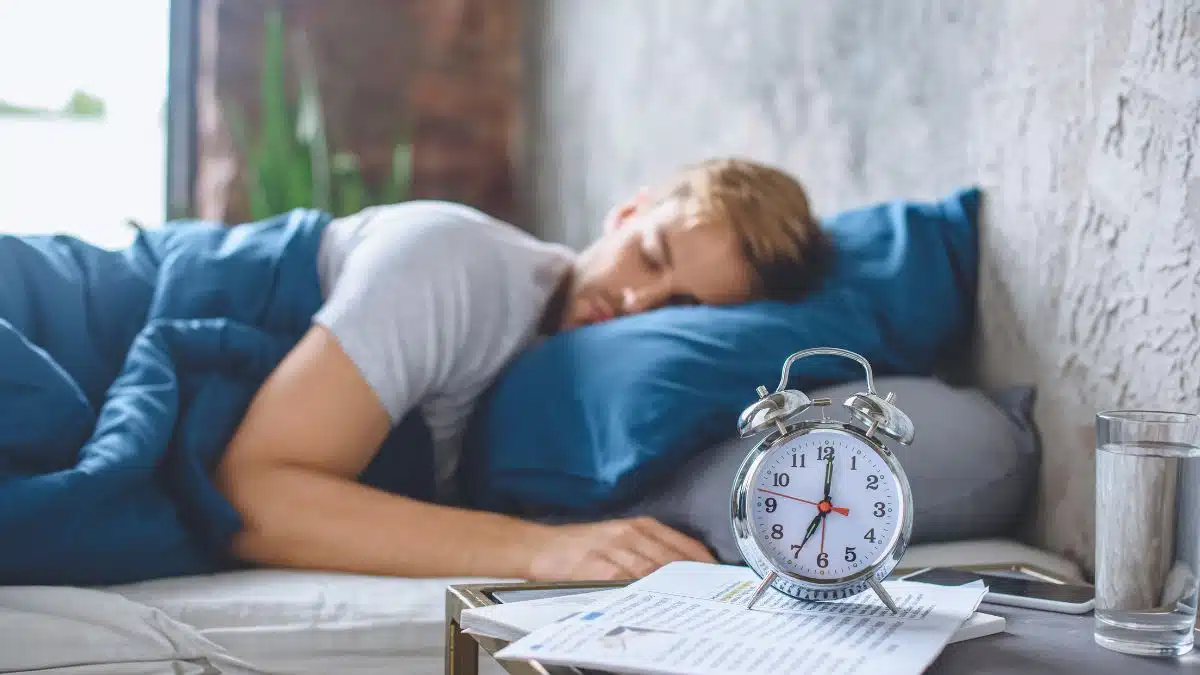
(83, 104)
(288, 162)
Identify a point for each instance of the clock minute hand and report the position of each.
(828, 476)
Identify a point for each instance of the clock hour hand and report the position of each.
(812, 528)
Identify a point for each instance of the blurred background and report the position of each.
(1080, 119)
(83, 94)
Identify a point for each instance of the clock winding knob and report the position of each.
(880, 414)
(772, 410)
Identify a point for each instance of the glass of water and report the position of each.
(1147, 531)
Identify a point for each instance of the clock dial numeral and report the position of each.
(872, 482)
(795, 551)
(825, 453)
(880, 509)
(851, 556)
(822, 560)
(772, 504)
(801, 464)
(782, 480)
(777, 531)
(870, 536)
(853, 462)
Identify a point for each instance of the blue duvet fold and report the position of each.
(123, 374)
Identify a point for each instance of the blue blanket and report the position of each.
(123, 374)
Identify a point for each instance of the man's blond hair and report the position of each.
(769, 213)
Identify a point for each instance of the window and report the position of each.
(83, 117)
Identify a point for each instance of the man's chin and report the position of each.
(578, 323)
(581, 320)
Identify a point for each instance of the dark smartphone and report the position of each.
(1023, 592)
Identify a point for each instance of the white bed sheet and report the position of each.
(261, 621)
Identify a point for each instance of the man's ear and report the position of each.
(622, 212)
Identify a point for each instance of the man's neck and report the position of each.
(552, 317)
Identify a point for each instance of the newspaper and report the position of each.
(514, 620)
(691, 619)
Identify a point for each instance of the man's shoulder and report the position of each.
(430, 226)
(453, 236)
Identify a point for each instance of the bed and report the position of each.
(286, 622)
(109, 482)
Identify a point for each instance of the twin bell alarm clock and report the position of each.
(821, 509)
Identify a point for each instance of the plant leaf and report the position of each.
(310, 127)
(257, 196)
(280, 148)
(398, 188)
(351, 192)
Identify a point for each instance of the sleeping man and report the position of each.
(424, 303)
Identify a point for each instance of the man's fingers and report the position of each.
(629, 548)
(632, 562)
(597, 568)
(639, 540)
(687, 547)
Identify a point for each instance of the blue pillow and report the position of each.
(581, 422)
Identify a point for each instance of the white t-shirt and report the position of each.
(430, 300)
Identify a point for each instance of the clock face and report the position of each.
(826, 539)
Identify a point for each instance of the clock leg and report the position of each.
(762, 588)
(883, 595)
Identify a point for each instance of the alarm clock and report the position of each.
(821, 509)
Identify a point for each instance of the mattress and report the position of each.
(286, 622)
(257, 621)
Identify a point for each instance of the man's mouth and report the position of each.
(597, 309)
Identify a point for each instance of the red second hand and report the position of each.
(837, 509)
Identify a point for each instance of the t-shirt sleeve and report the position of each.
(389, 309)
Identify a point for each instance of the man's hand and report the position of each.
(614, 549)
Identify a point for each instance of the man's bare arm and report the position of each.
(291, 472)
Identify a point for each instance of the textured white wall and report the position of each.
(1079, 118)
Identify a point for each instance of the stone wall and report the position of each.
(1079, 118)
(445, 73)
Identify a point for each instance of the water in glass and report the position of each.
(1147, 531)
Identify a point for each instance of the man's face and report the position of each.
(652, 256)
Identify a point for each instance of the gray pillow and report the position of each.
(973, 467)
